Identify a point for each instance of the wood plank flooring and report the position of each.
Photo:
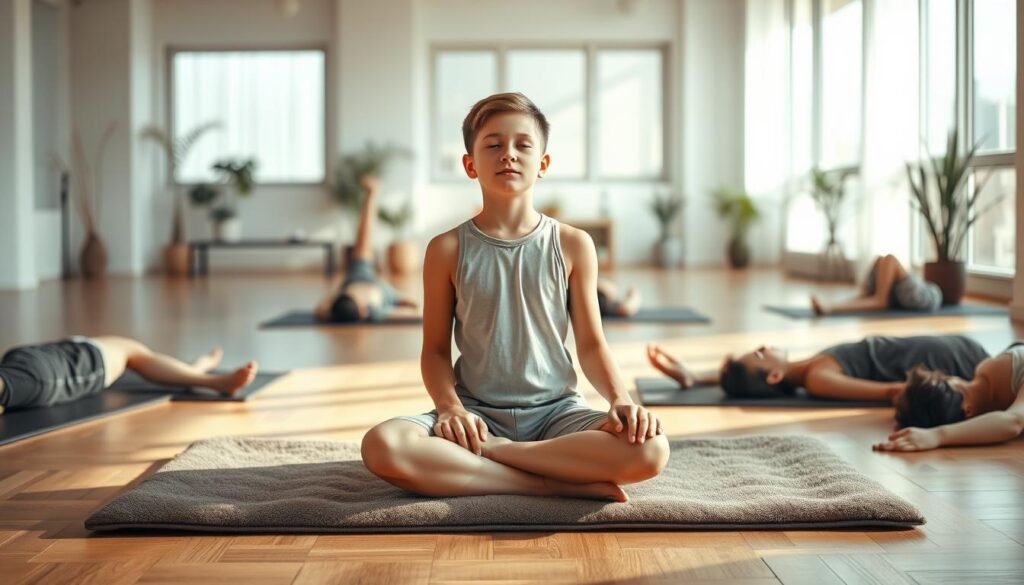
(345, 380)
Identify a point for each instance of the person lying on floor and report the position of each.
(944, 409)
(508, 417)
(888, 286)
(362, 296)
(872, 370)
(611, 304)
(64, 371)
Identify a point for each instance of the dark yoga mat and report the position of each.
(962, 310)
(661, 315)
(132, 383)
(306, 319)
(22, 424)
(666, 392)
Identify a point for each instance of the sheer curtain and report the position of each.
(891, 127)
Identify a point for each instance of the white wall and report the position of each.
(713, 71)
(1017, 306)
(17, 197)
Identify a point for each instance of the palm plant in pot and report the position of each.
(828, 190)
(668, 250)
(741, 212)
(403, 253)
(352, 168)
(176, 253)
(948, 209)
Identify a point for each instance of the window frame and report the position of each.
(172, 50)
(591, 97)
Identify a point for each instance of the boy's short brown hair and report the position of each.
(501, 103)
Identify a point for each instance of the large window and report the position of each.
(270, 106)
(841, 68)
(605, 106)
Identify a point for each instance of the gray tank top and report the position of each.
(512, 318)
(887, 359)
(1016, 352)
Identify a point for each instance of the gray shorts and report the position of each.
(912, 293)
(565, 416)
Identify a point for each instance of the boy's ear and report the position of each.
(545, 162)
(467, 163)
(775, 376)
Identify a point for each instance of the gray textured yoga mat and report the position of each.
(132, 383)
(263, 485)
(966, 310)
(662, 315)
(22, 424)
(306, 319)
(666, 392)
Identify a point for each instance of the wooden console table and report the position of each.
(199, 264)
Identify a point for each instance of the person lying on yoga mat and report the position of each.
(64, 371)
(888, 286)
(611, 304)
(945, 409)
(361, 295)
(508, 417)
(872, 370)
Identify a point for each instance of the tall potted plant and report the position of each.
(176, 260)
(948, 209)
(89, 196)
(403, 253)
(741, 212)
(668, 250)
(371, 161)
(828, 190)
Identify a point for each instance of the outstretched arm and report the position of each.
(363, 247)
(985, 429)
(823, 382)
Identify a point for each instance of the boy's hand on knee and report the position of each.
(638, 423)
(460, 426)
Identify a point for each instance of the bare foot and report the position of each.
(205, 363)
(818, 308)
(669, 365)
(231, 383)
(631, 302)
(600, 490)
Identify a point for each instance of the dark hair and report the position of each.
(738, 381)
(501, 103)
(929, 400)
(604, 304)
(345, 310)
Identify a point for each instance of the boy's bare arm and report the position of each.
(438, 315)
(591, 347)
(985, 429)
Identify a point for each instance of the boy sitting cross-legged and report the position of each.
(508, 418)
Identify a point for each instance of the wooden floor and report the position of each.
(345, 380)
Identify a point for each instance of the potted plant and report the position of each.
(371, 161)
(403, 253)
(668, 250)
(740, 211)
(948, 209)
(176, 253)
(828, 192)
(227, 226)
(89, 195)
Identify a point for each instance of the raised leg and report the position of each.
(887, 272)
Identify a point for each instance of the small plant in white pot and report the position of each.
(668, 250)
(227, 226)
(403, 253)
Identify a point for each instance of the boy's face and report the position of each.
(508, 154)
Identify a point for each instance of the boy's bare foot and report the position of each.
(818, 308)
(600, 490)
(669, 366)
(231, 383)
(205, 363)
